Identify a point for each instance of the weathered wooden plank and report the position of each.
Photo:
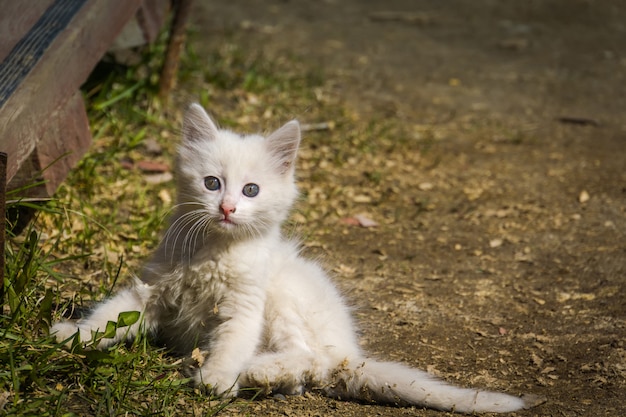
(30, 49)
(16, 20)
(51, 83)
(64, 141)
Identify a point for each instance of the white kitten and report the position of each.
(224, 279)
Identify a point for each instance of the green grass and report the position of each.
(40, 376)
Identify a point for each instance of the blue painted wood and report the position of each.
(32, 47)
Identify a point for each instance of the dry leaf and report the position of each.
(495, 243)
(165, 196)
(197, 356)
(127, 163)
(350, 221)
(152, 146)
(365, 221)
(473, 194)
(583, 197)
(362, 198)
(345, 270)
(567, 296)
(425, 186)
(524, 256)
(152, 166)
(158, 178)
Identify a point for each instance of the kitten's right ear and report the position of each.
(197, 124)
(284, 143)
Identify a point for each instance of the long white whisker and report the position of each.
(178, 224)
(253, 229)
(177, 228)
(183, 204)
(207, 229)
(182, 226)
(191, 238)
(180, 218)
(201, 228)
(258, 227)
(190, 242)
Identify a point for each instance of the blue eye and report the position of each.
(212, 183)
(250, 190)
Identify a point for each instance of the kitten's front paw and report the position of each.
(224, 385)
(64, 330)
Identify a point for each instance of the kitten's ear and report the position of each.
(197, 124)
(284, 143)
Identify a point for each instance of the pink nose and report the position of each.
(227, 209)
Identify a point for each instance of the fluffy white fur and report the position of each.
(224, 279)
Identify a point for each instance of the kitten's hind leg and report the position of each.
(128, 300)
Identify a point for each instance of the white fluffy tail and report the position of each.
(390, 382)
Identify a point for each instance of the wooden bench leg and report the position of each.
(3, 196)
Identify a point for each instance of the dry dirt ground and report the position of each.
(499, 260)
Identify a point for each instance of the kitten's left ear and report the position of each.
(197, 124)
(284, 143)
